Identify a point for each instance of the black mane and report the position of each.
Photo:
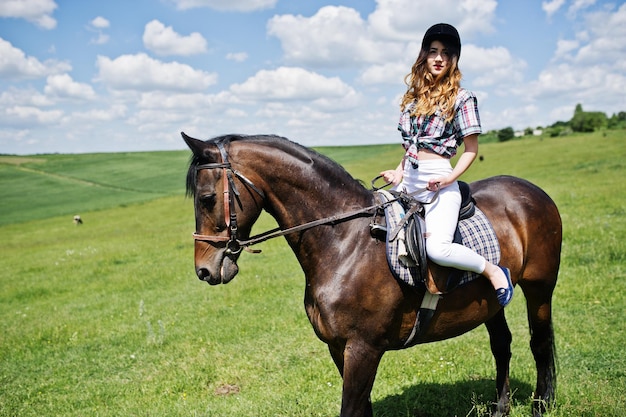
(329, 168)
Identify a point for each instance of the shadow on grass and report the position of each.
(463, 399)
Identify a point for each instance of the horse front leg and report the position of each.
(357, 363)
(500, 340)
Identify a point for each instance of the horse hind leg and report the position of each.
(500, 340)
(542, 343)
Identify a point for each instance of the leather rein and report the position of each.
(235, 245)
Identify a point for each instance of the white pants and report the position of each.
(441, 216)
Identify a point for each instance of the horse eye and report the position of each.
(208, 200)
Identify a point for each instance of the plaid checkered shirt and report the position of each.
(434, 133)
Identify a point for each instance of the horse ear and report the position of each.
(197, 146)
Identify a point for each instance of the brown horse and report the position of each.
(353, 301)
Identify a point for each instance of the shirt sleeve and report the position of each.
(405, 126)
(467, 119)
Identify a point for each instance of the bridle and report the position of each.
(234, 245)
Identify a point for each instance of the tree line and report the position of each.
(582, 121)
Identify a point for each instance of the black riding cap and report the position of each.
(443, 32)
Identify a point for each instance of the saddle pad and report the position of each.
(396, 248)
(476, 233)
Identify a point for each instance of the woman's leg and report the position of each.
(440, 248)
(441, 218)
(441, 222)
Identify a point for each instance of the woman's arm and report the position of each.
(394, 176)
(464, 162)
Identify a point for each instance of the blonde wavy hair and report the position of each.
(430, 93)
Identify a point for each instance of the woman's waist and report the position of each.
(428, 165)
(425, 155)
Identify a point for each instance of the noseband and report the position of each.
(234, 245)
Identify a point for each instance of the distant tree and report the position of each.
(617, 121)
(489, 137)
(560, 123)
(584, 121)
(578, 109)
(528, 131)
(559, 128)
(506, 134)
(554, 131)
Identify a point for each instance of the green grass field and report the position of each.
(108, 318)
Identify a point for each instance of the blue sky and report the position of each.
(119, 75)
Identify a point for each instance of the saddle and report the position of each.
(436, 278)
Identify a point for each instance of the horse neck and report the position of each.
(302, 185)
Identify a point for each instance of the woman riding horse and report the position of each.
(352, 299)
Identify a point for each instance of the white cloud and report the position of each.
(233, 5)
(294, 116)
(521, 116)
(337, 36)
(141, 73)
(589, 69)
(551, 7)
(351, 100)
(14, 64)
(567, 80)
(35, 11)
(97, 25)
(337, 82)
(491, 66)
(290, 83)
(408, 19)
(181, 102)
(63, 86)
(25, 115)
(605, 40)
(154, 120)
(578, 5)
(100, 23)
(237, 56)
(564, 47)
(101, 39)
(388, 73)
(163, 40)
(333, 37)
(115, 112)
(24, 97)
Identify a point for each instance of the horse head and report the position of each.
(226, 203)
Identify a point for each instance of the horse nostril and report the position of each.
(203, 274)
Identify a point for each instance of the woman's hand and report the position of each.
(438, 183)
(393, 176)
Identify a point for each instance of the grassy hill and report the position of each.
(108, 318)
(44, 186)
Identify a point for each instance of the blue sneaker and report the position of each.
(505, 294)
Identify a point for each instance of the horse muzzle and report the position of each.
(222, 273)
